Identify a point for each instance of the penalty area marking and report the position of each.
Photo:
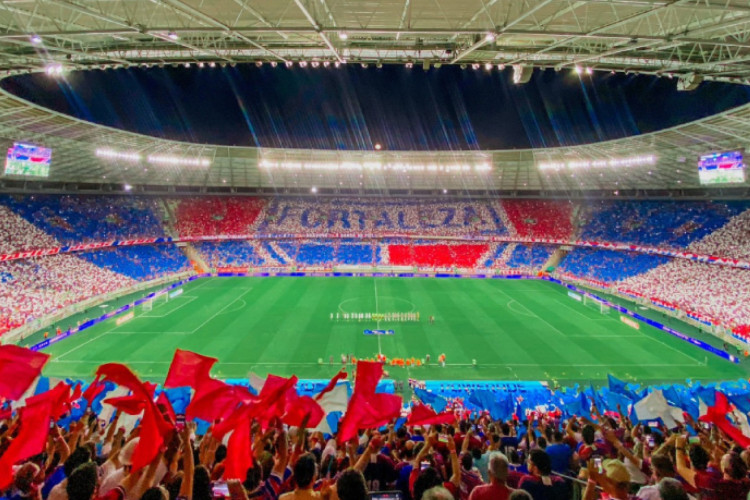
(146, 315)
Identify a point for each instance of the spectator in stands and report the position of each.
(498, 473)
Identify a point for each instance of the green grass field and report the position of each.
(515, 329)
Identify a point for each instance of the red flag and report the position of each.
(217, 400)
(154, 428)
(717, 415)
(132, 405)
(366, 408)
(335, 380)
(32, 434)
(188, 369)
(424, 415)
(302, 407)
(271, 403)
(165, 405)
(93, 390)
(19, 367)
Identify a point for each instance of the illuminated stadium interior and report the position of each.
(493, 226)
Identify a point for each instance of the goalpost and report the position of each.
(596, 304)
(149, 304)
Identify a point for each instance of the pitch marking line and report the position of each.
(169, 312)
(57, 359)
(578, 313)
(531, 312)
(220, 311)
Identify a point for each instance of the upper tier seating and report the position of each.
(608, 265)
(215, 215)
(85, 219)
(541, 218)
(668, 224)
(383, 216)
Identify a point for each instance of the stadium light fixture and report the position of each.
(409, 64)
(589, 71)
(274, 64)
(200, 64)
(630, 161)
(475, 66)
(259, 63)
(118, 155)
(578, 70)
(35, 39)
(303, 64)
(128, 187)
(488, 66)
(375, 166)
(179, 160)
(343, 35)
(173, 36)
(522, 74)
(326, 64)
(289, 64)
(315, 64)
(313, 189)
(489, 37)
(212, 64)
(336, 64)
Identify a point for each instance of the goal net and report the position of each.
(150, 303)
(596, 304)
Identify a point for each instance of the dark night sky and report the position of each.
(354, 108)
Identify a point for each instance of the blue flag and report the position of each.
(438, 403)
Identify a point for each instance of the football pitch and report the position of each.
(514, 329)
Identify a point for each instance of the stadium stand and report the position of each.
(237, 253)
(382, 216)
(530, 257)
(84, 219)
(436, 256)
(541, 218)
(208, 215)
(666, 224)
(33, 288)
(720, 293)
(607, 265)
(18, 234)
(140, 262)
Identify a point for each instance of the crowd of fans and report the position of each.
(721, 293)
(664, 224)
(541, 218)
(234, 254)
(439, 256)
(96, 449)
(389, 215)
(140, 262)
(731, 240)
(215, 215)
(608, 265)
(33, 288)
(80, 219)
(18, 234)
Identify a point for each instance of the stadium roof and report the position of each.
(86, 153)
(707, 38)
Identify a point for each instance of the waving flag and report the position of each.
(438, 403)
(656, 406)
(19, 367)
(188, 369)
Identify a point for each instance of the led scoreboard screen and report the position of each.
(28, 159)
(722, 168)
